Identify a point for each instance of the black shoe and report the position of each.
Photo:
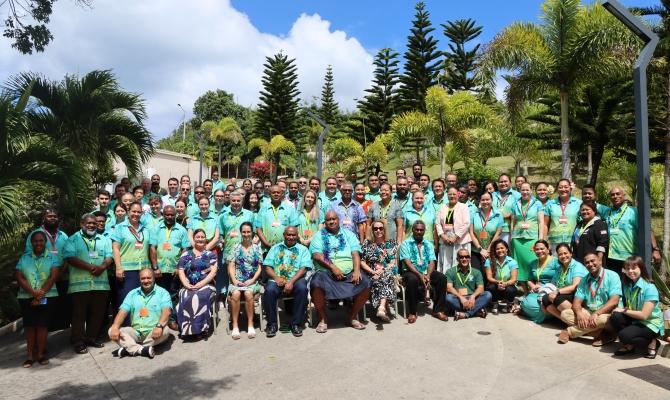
(147, 351)
(120, 352)
(623, 351)
(296, 330)
(271, 330)
(98, 344)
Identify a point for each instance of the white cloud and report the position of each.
(172, 51)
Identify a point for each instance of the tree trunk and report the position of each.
(566, 171)
(597, 157)
(228, 172)
(442, 161)
(666, 196)
(418, 154)
(517, 167)
(218, 169)
(237, 170)
(589, 163)
(525, 168)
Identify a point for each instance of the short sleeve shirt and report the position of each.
(93, 251)
(635, 295)
(622, 226)
(562, 219)
(273, 220)
(595, 292)
(544, 273)
(55, 245)
(504, 204)
(469, 280)
(208, 223)
(229, 227)
(526, 217)
(564, 278)
(153, 303)
(37, 269)
(169, 243)
(388, 214)
(134, 249)
(503, 271)
(409, 250)
(350, 215)
(485, 228)
(287, 261)
(336, 247)
(307, 226)
(427, 215)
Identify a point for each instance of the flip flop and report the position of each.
(43, 361)
(235, 334)
(28, 363)
(251, 333)
(322, 327)
(651, 353)
(356, 324)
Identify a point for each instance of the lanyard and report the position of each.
(585, 227)
(622, 211)
(563, 207)
(38, 267)
(87, 243)
(528, 205)
(139, 237)
(450, 215)
(235, 219)
(168, 232)
(600, 282)
(384, 210)
(308, 220)
(503, 200)
(561, 279)
(275, 211)
(631, 298)
(458, 275)
(501, 269)
(52, 239)
(484, 221)
(539, 271)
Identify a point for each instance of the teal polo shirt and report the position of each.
(542, 274)
(134, 252)
(208, 223)
(229, 227)
(527, 219)
(218, 213)
(154, 302)
(622, 229)
(37, 269)
(635, 295)
(151, 221)
(594, 296)
(469, 280)
(375, 197)
(504, 270)
(436, 204)
(504, 203)
(337, 248)
(562, 222)
(325, 201)
(169, 243)
(55, 245)
(111, 218)
(273, 220)
(306, 226)
(287, 261)
(564, 278)
(409, 250)
(483, 228)
(93, 251)
(427, 215)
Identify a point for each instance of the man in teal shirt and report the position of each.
(273, 218)
(503, 201)
(597, 295)
(103, 205)
(149, 307)
(167, 241)
(89, 254)
(329, 195)
(286, 265)
(373, 186)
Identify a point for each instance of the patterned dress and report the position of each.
(381, 256)
(246, 265)
(194, 307)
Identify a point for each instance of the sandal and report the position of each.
(28, 363)
(322, 327)
(460, 315)
(624, 350)
(43, 361)
(356, 324)
(235, 334)
(652, 353)
(381, 314)
(80, 349)
(251, 333)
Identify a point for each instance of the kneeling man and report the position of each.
(286, 265)
(149, 307)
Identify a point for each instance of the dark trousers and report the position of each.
(630, 333)
(481, 301)
(477, 262)
(130, 281)
(413, 286)
(615, 265)
(62, 308)
(222, 280)
(88, 310)
(558, 300)
(110, 306)
(507, 294)
(274, 292)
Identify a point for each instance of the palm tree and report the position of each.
(92, 116)
(410, 131)
(272, 150)
(225, 131)
(571, 46)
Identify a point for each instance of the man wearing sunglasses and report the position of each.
(466, 296)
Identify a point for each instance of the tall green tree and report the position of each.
(572, 45)
(382, 101)
(460, 62)
(410, 132)
(227, 132)
(278, 107)
(273, 149)
(329, 109)
(214, 105)
(422, 61)
(92, 116)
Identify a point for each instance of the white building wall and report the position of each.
(167, 164)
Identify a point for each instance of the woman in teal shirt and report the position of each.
(310, 218)
(640, 322)
(207, 222)
(568, 272)
(540, 274)
(36, 273)
(485, 228)
(527, 227)
(501, 276)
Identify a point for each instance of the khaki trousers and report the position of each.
(133, 343)
(568, 316)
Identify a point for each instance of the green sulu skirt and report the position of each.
(522, 251)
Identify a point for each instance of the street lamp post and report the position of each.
(183, 123)
(319, 144)
(637, 26)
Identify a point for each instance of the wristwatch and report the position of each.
(159, 325)
(655, 249)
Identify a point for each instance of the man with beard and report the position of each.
(401, 194)
(350, 212)
(417, 170)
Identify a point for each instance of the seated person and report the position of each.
(640, 322)
(465, 287)
(336, 255)
(244, 269)
(149, 307)
(197, 271)
(286, 265)
(568, 274)
(501, 273)
(379, 261)
(597, 295)
(417, 257)
(541, 273)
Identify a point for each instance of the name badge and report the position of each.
(483, 234)
(139, 245)
(562, 220)
(276, 223)
(54, 252)
(167, 246)
(614, 231)
(347, 221)
(308, 232)
(525, 225)
(449, 227)
(144, 312)
(92, 254)
(233, 234)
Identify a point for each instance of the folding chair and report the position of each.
(258, 309)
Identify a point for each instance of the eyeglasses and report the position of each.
(464, 257)
(303, 182)
(377, 228)
(199, 192)
(185, 189)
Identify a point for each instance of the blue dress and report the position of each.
(194, 307)
(530, 304)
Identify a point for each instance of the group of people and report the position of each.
(162, 258)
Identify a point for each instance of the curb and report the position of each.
(11, 327)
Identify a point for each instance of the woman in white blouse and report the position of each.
(453, 228)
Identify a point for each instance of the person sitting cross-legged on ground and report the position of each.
(149, 307)
(336, 255)
(286, 265)
(640, 322)
(417, 258)
(597, 295)
(465, 286)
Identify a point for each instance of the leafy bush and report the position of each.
(261, 169)
(478, 172)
